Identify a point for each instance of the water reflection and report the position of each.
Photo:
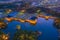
(49, 32)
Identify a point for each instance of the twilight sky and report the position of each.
(30, 0)
(40, 1)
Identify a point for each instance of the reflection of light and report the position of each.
(22, 36)
(23, 11)
(15, 19)
(21, 20)
(5, 37)
(9, 19)
(33, 22)
(38, 11)
(18, 26)
(57, 20)
(2, 25)
(8, 11)
(46, 17)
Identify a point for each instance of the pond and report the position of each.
(49, 32)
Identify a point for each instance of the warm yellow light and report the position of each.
(3, 36)
(21, 20)
(23, 11)
(9, 19)
(38, 10)
(46, 16)
(33, 22)
(18, 27)
(8, 11)
(6, 38)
